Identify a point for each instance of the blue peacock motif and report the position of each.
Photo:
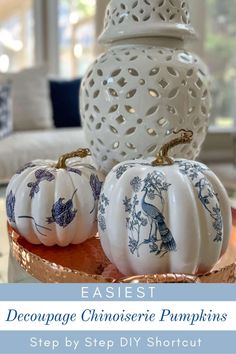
(96, 186)
(40, 175)
(206, 194)
(10, 206)
(63, 213)
(142, 213)
(103, 204)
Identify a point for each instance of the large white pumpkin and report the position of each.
(55, 203)
(160, 219)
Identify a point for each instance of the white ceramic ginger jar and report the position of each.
(145, 85)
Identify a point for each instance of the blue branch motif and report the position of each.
(40, 175)
(63, 213)
(96, 186)
(74, 170)
(143, 214)
(103, 204)
(206, 194)
(37, 226)
(25, 167)
(10, 206)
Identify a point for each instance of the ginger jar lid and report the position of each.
(126, 19)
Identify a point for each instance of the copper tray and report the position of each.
(87, 263)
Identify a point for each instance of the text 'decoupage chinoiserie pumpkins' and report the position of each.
(164, 216)
(55, 203)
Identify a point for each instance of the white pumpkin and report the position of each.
(55, 203)
(158, 218)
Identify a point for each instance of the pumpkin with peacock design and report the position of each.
(164, 215)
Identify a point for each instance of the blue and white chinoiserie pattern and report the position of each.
(54, 206)
(163, 219)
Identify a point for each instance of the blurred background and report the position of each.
(63, 34)
(29, 28)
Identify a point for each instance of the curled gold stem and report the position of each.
(82, 153)
(162, 158)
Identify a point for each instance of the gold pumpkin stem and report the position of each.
(82, 153)
(162, 158)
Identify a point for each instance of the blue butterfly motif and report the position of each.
(40, 175)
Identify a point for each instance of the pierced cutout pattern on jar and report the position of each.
(120, 13)
(132, 114)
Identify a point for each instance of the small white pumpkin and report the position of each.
(55, 203)
(164, 216)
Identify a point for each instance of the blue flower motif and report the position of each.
(191, 169)
(133, 245)
(136, 184)
(144, 222)
(206, 194)
(10, 206)
(156, 181)
(102, 222)
(127, 204)
(135, 200)
(154, 248)
(40, 175)
(104, 201)
(151, 194)
(102, 209)
(218, 223)
(103, 204)
(121, 170)
(62, 212)
(217, 210)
